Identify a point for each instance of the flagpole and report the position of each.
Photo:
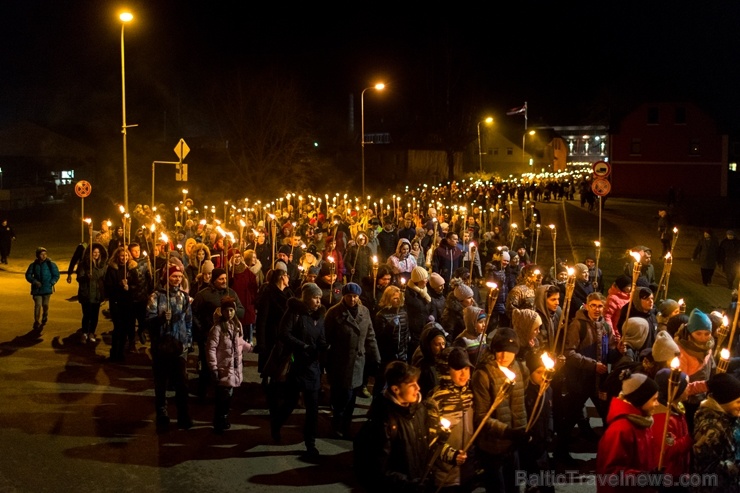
(524, 136)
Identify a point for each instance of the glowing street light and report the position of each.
(487, 121)
(378, 87)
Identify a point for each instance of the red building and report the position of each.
(663, 145)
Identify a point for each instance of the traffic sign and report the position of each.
(601, 186)
(181, 149)
(602, 169)
(83, 188)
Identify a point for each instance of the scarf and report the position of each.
(422, 292)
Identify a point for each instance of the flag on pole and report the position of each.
(517, 111)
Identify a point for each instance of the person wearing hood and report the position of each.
(696, 344)
(677, 450)
(120, 279)
(460, 297)
(302, 330)
(643, 306)
(452, 399)
(225, 347)
(352, 345)
(169, 318)
(504, 430)
(634, 338)
(197, 256)
(433, 341)
(526, 323)
(547, 306)
(473, 338)
(715, 448)
(91, 289)
(419, 305)
(204, 304)
(402, 263)
(245, 283)
(624, 449)
(617, 296)
(358, 261)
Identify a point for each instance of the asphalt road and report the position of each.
(70, 421)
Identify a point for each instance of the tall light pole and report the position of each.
(125, 17)
(524, 140)
(487, 121)
(378, 87)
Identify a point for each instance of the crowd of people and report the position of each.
(479, 363)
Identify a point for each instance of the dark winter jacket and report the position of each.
(352, 345)
(303, 332)
(205, 303)
(392, 332)
(87, 291)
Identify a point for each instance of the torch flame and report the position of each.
(547, 361)
(636, 256)
(725, 320)
(88, 220)
(491, 285)
(668, 255)
(725, 354)
(165, 238)
(510, 375)
(375, 259)
(675, 363)
(444, 423)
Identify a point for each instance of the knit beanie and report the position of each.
(314, 270)
(504, 339)
(716, 317)
(39, 250)
(635, 332)
(505, 256)
(675, 322)
(325, 269)
(173, 269)
(724, 388)
(463, 292)
(623, 282)
(637, 388)
(217, 272)
(419, 274)
(662, 378)
(664, 347)
(310, 290)
(435, 280)
(581, 269)
(698, 320)
(207, 267)
(471, 315)
(668, 307)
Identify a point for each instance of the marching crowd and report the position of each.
(479, 362)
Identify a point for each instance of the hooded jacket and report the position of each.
(87, 291)
(224, 348)
(550, 321)
(194, 265)
(615, 300)
(402, 265)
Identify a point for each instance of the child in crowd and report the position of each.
(677, 449)
(533, 455)
(473, 338)
(225, 347)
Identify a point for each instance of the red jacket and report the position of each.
(676, 457)
(624, 449)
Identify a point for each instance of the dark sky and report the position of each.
(60, 60)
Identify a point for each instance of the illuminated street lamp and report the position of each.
(378, 87)
(524, 140)
(125, 17)
(487, 121)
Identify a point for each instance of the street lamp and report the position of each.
(524, 140)
(378, 87)
(125, 17)
(487, 121)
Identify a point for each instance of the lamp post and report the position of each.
(378, 87)
(487, 121)
(524, 140)
(125, 17)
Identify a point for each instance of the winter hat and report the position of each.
(173, 269)
(698, 320)
(312, 250)
(281, 265)
(463, 292)
(635, 331)
(581, 268)
(325, 269)
(644, 293)
(642, 282)
(285, 249)
(675, 322)
(504, 339)
(227, 302)
(314, 270)
(471, 315)
(662, 378)
(716, 317)
(217, 272)
(637, 388)
(724, 387)
(435, 280)
(623, 282)
(39, 250)
(668, 307)
(310, 290)
(419, 274)
(505, 256)
(457, 357)
(664, 347)
(207, 267)
(352, 288)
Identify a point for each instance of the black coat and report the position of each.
(303, 332)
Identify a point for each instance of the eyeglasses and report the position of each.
(596, 307)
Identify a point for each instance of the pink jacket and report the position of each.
(224, 350)
(615, 300)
